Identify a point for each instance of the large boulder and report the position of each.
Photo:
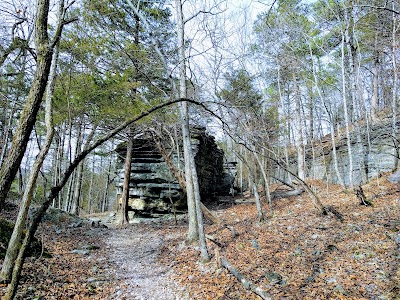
(6, 229)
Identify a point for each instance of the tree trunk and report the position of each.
(55, 163)
(90, 192)
(32, 104)
(203, 245)
(77, 190)
(266, 181)
(331, 123)
(104, 204)
(346, 114)
(394, 93)
(286, 117)
(181, 180)
(174, 170)
(375, 82)
(76, 185)
(15, 240)
(193, 233)
(300, 141)
(258, 202)
(68, 198)
(56, 190)
(127, 179)
(252, 182)
(7, 131)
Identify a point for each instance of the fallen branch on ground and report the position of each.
(248, 285)
(286, 194)
(209, 215)
(212, 239)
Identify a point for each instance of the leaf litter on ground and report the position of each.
(296, 253)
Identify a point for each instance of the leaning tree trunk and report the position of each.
(331, 126)
(179, 176)
(16, 237)
(54, 192)
(286, 117)
(44, 51)
(252, 181)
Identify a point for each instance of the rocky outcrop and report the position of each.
(153, 187)
(373, 152)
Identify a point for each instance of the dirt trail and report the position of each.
(139, 275)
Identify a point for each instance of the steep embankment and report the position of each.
(299, 254)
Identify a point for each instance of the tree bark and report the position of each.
(203, 245)
(30, 110)
(76, 190)
(252, 182)
(104, 205)
(266, 181)
(15, 240)
(346, 114)
(127, 179)
(394, 93)
(331, 123)
(193, 232)
(286, 117)
(375, 82)
(300, 141)
(90, 192)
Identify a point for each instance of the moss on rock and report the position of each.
(6, 229)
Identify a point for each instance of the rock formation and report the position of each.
(373, 153)
(153, 187)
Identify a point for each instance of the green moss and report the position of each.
(6, 229)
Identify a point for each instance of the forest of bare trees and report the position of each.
(279, 83)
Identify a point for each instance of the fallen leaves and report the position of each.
(66, 275)
(316, 257)
(294, 254)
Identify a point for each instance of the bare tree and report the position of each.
(44, 50)
(15, 240)
(196, 231)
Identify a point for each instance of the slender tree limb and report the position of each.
(248, 285)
